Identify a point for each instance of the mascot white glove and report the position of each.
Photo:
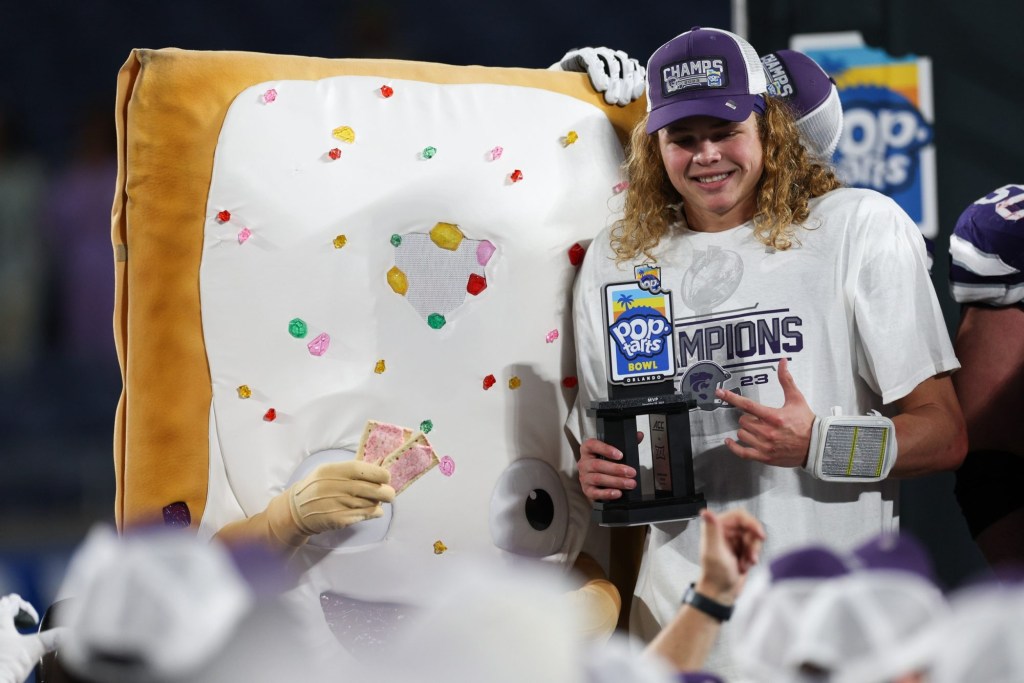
(20, 653)
(333, 496)
(620, 77)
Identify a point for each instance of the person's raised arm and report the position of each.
(730, 545)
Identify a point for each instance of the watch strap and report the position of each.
(712, 608)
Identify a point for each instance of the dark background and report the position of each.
(59, 62)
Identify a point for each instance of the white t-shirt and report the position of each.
(852, 308)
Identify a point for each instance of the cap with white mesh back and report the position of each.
(981, 640)
(151, 607)
(866, 626)
(768, 610)
(704, 72)
(801, 83)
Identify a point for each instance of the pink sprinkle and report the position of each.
(551, 336)
(318, 346)
(270, 96)
(484, 251)
(244, 234)
(496, 153)
(447, 466)
(620, 187)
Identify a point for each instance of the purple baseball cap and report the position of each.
(896, 552)
(704, 72)
(809, 562)
(797, 80)
(699, 677)
(800, 82)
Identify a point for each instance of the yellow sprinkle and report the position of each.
(439, 547)
(571, 137)
(244, 391)
(447, 236)
(379, 368)
(398, 281)
(514, 383)
(340, 241)
(344, 133)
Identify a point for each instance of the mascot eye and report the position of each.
(529, 510)
(540, 509)
(366, 532)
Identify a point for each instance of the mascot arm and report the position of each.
(333, 496)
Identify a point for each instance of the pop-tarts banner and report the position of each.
(887, 142)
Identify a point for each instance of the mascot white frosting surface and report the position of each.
(400, 251)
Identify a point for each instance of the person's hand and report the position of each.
(773, 436)
(730, 545)
(600, 477)
(19, 653)
(621, 78)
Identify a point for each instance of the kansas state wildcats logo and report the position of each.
(701, 380)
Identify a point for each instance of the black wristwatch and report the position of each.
(712, 608)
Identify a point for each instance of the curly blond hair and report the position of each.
(791, 177)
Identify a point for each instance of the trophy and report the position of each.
(641, 368)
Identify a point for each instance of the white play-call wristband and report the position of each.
(851, 448)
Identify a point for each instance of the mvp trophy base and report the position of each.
(674, 497)
(653, 511)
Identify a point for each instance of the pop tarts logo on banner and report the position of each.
(640, 339)
(887, 142)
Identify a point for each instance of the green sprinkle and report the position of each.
(297, 328)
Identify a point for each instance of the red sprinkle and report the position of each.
(387, 90)
(576, 254)
(270, 415)
(489, 382)
(476, 284)
(517, 175)
(569, 382)
(334, 153)
(224, 216)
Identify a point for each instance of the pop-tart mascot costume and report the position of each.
(343, 316)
